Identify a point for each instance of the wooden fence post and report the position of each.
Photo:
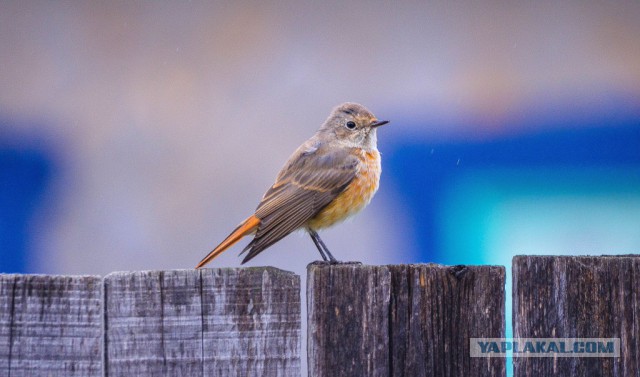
(153, 323)
(211, 322)
(50, 325)
(578, 297)
(251, 322)
(405, 320)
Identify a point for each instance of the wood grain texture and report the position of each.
(348, 320)
(153, 323)
(404, 320)
(50, 325)
(578, 297)
(251, 322)
(210, 322)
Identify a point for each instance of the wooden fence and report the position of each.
(404, 320)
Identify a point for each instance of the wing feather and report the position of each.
(310, 180)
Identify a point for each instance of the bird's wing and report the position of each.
(310, 180)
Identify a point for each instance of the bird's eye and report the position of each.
(351, 125)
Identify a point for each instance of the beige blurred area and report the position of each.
(172, 118)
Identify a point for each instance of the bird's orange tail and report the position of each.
(246, 227)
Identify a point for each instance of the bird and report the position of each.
(330, 177)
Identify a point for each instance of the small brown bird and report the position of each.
(330, 177)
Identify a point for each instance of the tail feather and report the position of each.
(246, 227)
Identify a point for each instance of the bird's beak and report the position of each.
(379, 123)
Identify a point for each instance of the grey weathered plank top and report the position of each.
(50, 325)
(229, 321)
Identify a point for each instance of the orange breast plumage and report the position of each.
(355, 197)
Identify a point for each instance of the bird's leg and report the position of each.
(326, 250)
(322, 248)
(324, 258)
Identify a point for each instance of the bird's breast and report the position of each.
(356, 196)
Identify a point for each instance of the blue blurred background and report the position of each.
(136, 135)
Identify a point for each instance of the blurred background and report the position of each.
(137, 135)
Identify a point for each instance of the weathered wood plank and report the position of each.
(445, 307)
(405, 320)
(578, 297)
(348, 320)
(211, 322)
(153, 323)
(251, 322)
(50, 325)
